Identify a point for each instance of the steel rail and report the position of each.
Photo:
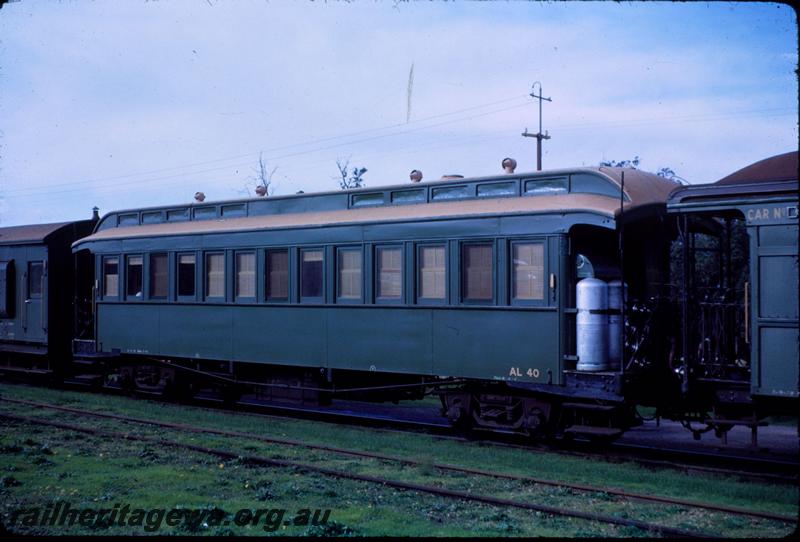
(617, 451)
(441, 466)
(438, 491)
(445, 431)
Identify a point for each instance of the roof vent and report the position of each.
(95, 213)
(199, 196)
(415, 176)
(451, 177)
(509, 165)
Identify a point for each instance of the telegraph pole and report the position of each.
(539, 136)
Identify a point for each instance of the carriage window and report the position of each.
(215, 275)
(231, 211)
(361, 200)
(110, 277)
(390, 273)
(278, 274)
(177, 215)
(349, 265)
(204, 213)
(589, 183)
(35, 273)
(153, 217)
(186, 263)
(134, 276)
(159, 278)
(547, 187)
(527, 281)
(245, 274)
(128, 220)
(409, 196)
(476, 272)
(497, 189)
(431, 272)
(311, 274)
(451, 192)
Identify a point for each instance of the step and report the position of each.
(594, 431)
(747, 423)
(589, 406)
(88, 379)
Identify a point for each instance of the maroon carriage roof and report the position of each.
(32, 233)
(769, 177)
(782, 167)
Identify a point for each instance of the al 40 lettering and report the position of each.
(531, 373)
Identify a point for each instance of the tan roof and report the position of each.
(642, 188)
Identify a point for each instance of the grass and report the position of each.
(43, 465)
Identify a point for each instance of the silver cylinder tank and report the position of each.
(615, 324)
(592, 327)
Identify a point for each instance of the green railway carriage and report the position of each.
(740, 329)
(467, 280)
(37, 289)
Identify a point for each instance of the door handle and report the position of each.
(27, 301)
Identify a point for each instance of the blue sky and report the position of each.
(125, 104)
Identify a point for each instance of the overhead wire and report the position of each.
(34, 192)
(299, 144)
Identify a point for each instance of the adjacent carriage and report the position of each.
(738, 298)
(38, 287)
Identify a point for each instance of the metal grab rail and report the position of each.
(747, 313)
(26, 300)
(43, 298)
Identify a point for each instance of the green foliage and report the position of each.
(669, 173)
(633, 164)
(665, 172)
(350, 179)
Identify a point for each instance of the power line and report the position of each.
(229, 185)
(21, 192)
(289, 146)
(47, 192)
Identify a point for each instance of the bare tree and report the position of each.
(353, 179)
(265, 186)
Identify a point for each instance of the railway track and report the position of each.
(746, 467)
(413, 462)
(251, 459)
(743, 466)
